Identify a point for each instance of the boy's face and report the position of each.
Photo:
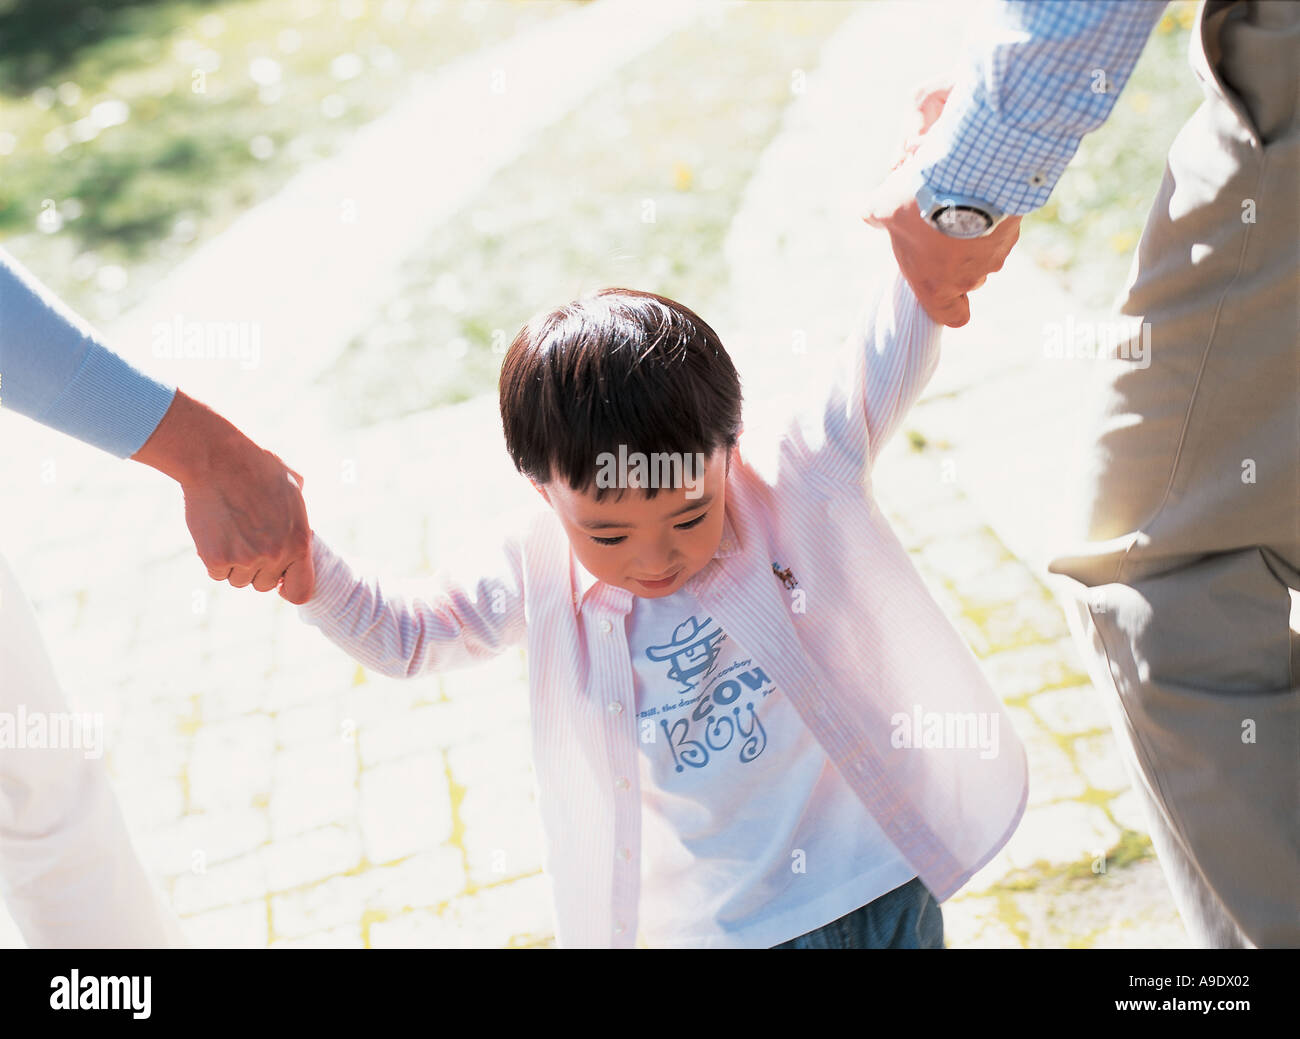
(670, 536)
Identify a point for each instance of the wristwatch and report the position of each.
(957, 216)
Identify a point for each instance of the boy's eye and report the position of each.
(680, 526)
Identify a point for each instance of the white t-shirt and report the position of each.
(750, 837)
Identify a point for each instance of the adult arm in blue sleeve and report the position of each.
(243, 504)
(56, 370)
(1040, 76)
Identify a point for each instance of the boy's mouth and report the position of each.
(663, 582)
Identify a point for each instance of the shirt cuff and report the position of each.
(1039, 76)
(334, 581)
(1012, 169)
(109, 404)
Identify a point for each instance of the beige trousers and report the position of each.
(1176, 577)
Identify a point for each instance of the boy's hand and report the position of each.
(928, 105)
(941, 270)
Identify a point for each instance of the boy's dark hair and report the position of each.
(615, 367)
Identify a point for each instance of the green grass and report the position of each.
(147, 129)
(1091, 224)
(569, 214)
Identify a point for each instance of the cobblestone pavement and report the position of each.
(285, 797)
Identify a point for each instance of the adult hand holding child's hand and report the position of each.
(249, 525)
(243, 505)
(940, 269)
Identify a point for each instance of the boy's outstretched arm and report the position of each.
(459, 623)
(889, 365)
(844, 420)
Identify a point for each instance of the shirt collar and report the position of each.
(583, 581)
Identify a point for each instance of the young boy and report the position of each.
(752, 726)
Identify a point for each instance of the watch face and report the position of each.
(963, 222)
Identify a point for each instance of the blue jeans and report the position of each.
(906, 918)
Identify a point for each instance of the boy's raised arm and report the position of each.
(458, 624)
(892, 364)
(843, 421)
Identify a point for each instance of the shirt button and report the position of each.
(616, 708)
(620, 927)
(1038, 178)
(726, 545)
(626, 853)
(622, 783)
(606, 627)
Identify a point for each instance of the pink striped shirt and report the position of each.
(869, 660)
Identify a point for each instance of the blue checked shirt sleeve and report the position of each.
(55, 370)
(1045, 74)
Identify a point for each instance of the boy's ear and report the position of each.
(541, 490)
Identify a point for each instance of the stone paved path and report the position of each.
(286, 797)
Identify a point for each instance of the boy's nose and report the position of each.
(657, 566)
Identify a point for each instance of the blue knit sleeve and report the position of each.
(55, 369)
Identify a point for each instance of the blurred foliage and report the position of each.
(627, 189)
(40, 39)
(132, 131)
